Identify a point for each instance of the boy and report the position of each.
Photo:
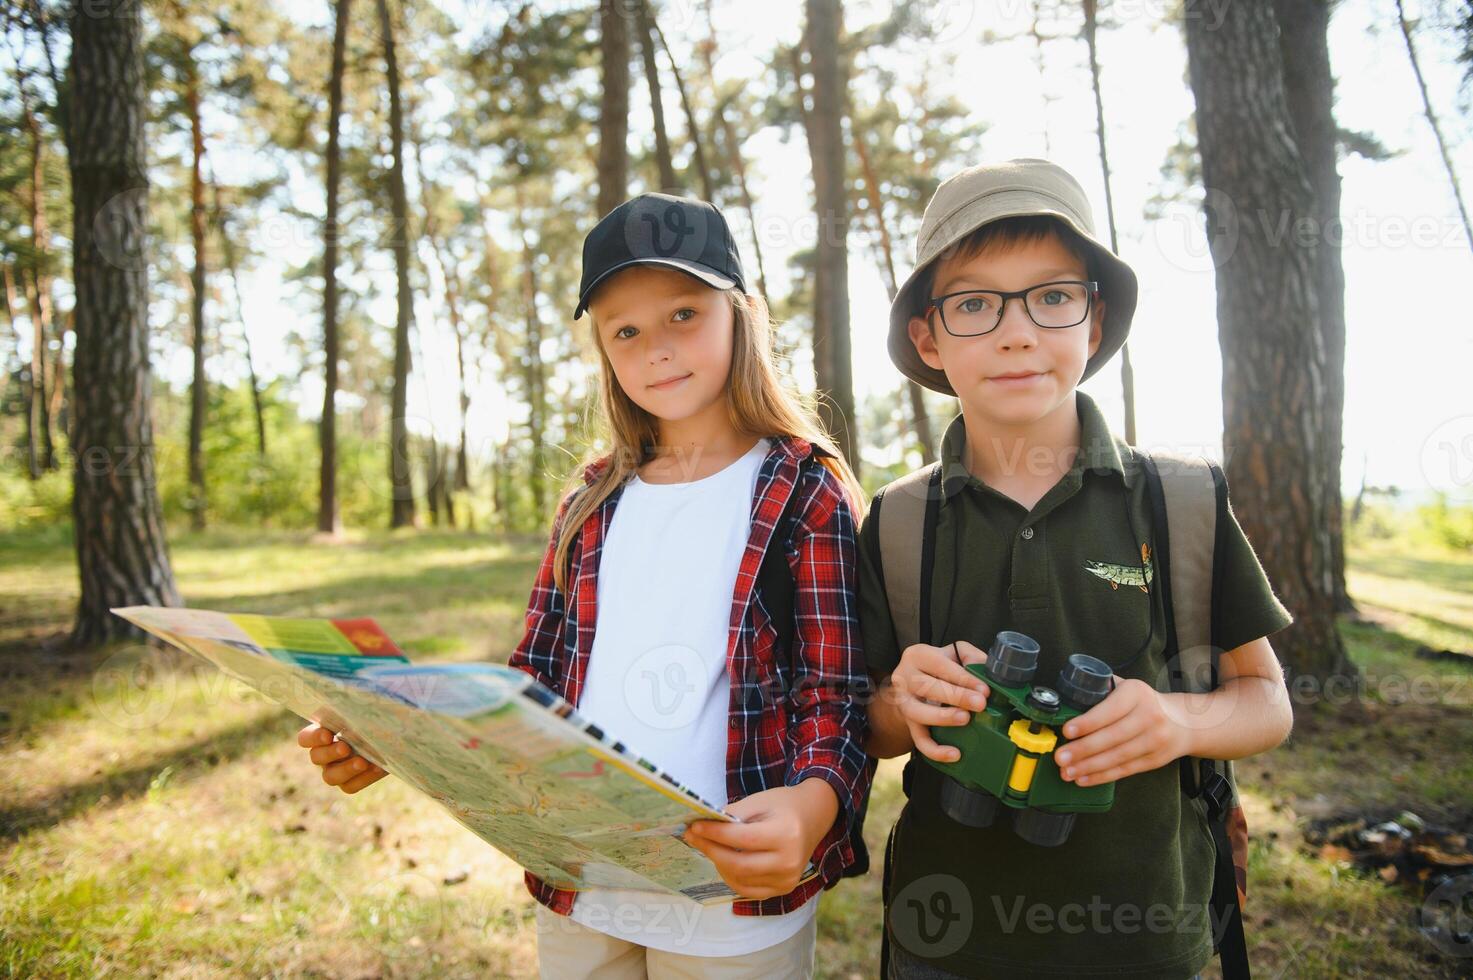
(1043, 523)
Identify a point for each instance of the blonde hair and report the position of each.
(757, 403)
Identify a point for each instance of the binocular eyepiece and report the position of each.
(1013, 661)
(1007, 757)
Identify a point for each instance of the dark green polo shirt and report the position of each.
(1127, 894)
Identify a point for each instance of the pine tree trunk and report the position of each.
(41, 306)
(1309, 86)
(1268, 322)
(199, 392)
(1431, 114)
(451, 278)
(327, 430)
(669, 183)
(122, 554)
(38, 441)
(227, 254)
(916, 400)
(12, 303)
(1091, 31)
(532, 363)
(613, 117)
(698, 152)
(401, 480)
(831, 346)
(733, 150)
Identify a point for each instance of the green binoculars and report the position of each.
(1007, 748)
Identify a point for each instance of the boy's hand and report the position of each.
(1135, 729)
(931, 685)
(765, 855)
(341, 766)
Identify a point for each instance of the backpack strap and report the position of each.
(775, 576)
(779, 593)
(911, 505)
(1189, 497)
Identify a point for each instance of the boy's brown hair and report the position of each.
(1026, 229)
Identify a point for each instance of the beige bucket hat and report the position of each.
(979, 195)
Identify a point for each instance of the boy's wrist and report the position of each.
(1185, 712)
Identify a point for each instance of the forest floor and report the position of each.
(157, 818)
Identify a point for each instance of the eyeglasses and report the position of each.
(1052, 305)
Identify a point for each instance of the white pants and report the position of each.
(569, 950)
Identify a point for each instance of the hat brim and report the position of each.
(1118, 287)
(711, 278)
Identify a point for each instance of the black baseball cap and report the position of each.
(661, 229)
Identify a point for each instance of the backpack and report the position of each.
(1188, 495)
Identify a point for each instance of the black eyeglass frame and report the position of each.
(1091, 285)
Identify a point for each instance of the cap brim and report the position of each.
(713, 279)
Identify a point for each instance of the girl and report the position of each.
(654, 611)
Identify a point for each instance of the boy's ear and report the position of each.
(924, 341)
(1097, 326)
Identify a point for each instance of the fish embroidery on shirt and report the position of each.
(1118, 575)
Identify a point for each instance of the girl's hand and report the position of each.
(931, 687)
(766, 854)
(341, 766)
(1135, 729)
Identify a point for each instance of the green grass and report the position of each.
(156, 817)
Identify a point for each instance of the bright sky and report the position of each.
(1409, 418)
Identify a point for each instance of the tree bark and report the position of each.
(227, 254)
(1091, 30)
(613, 117)
(532, 364)
(328, 521)
(38, 423)
(822, 30)
(698, 152)
(401, 513)
(199, 391)
(451, 278)
(1431, 114)
(647, 45)
(733, 151)
(916, 400)
(122, 554)
(1268, 322)
(42, 309)
(1309, 87)
(12, 303)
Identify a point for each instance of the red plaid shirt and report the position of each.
(818, 727)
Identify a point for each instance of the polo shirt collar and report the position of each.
(1099, 449)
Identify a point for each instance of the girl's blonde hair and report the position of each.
(757, 403)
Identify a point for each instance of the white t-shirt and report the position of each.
(657, 681)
